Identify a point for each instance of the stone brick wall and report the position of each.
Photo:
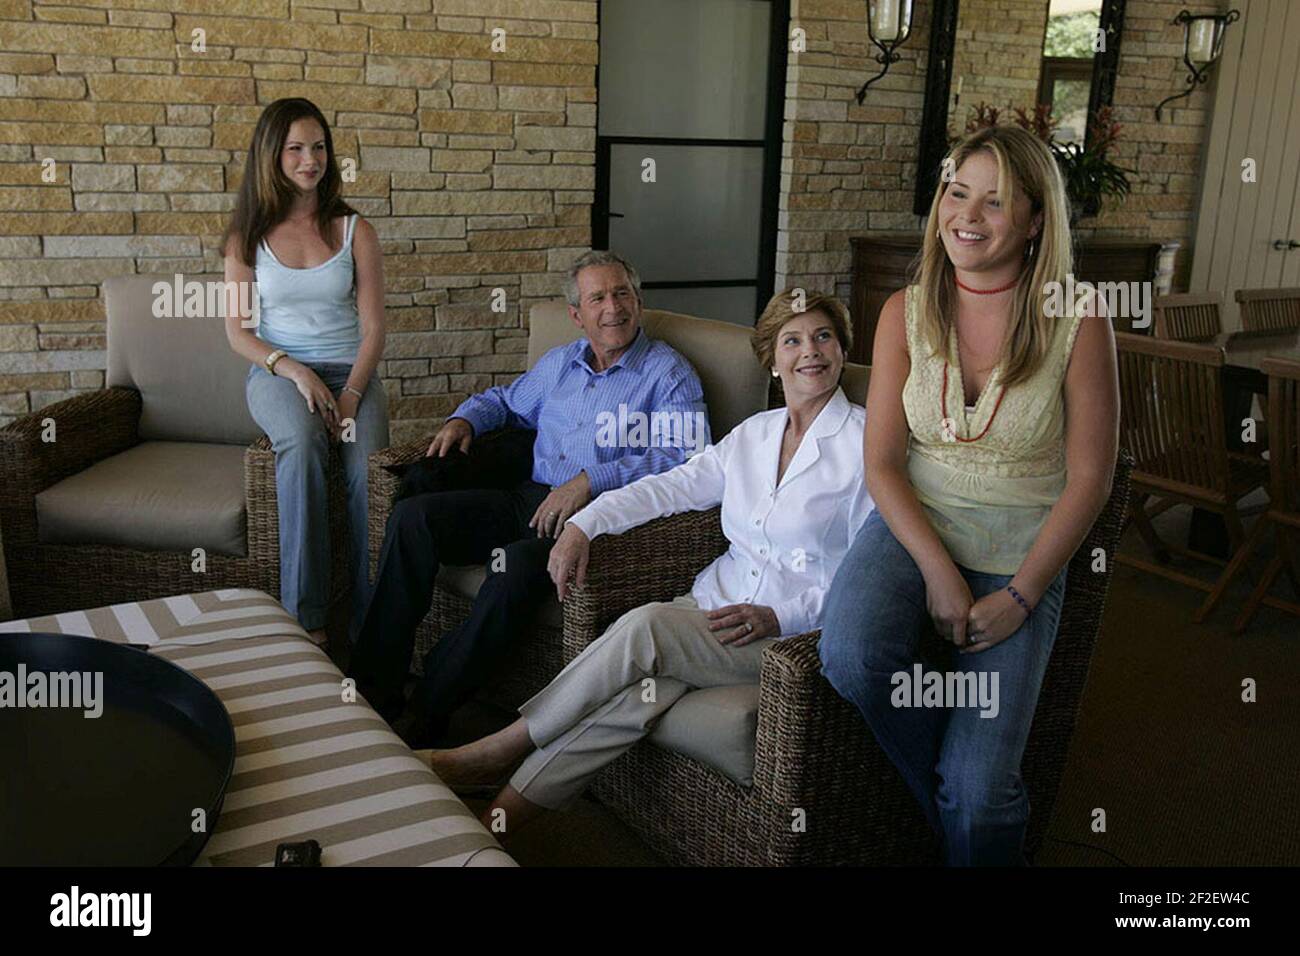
(476, 166)
(1168, 156)
(996, 56)
(845, 168)
(848, 169)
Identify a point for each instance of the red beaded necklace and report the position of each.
(943, 408)
(943, 395)
(1010, 285)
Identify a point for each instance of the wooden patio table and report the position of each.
(1244, 353)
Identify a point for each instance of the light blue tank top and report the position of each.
(310, 313)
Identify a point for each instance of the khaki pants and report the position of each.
(602, 704)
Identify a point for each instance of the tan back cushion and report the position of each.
(190, 380)
(854, 382)
(735, 385)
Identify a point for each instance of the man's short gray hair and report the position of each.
(598, 257)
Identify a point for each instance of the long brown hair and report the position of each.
(1024, 163)
(266, 194)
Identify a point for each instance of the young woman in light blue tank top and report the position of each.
(315, 345)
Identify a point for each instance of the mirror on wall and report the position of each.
(1015, 54)
(1035, 51)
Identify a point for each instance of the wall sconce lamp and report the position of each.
(1202, 45)
(888, 24)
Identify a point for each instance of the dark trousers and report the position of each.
(450, 527)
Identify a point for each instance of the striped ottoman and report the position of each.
(307, 765)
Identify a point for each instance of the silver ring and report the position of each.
(748, 627)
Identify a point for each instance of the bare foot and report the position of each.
(465, 766)
(318, 637)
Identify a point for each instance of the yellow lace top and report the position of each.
(987, 499)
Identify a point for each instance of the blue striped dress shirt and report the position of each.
(576, 410)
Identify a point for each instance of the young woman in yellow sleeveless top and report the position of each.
(992, 426)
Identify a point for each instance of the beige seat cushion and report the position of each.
(717, 726)
(465, 580)
(156, 496)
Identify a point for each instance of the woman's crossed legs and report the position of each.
(602, 703)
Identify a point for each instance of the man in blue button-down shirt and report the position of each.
(591, 403)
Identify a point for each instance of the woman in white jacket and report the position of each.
(792, 493)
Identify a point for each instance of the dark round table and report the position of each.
(139, 785)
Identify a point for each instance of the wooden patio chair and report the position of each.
(1269, 310)
(1283, 514)
(1188, 317)
(1171, 421)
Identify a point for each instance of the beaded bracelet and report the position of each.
(355, 391)
(1020, 600)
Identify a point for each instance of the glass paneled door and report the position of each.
(688, 149)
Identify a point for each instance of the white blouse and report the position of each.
(787, 540)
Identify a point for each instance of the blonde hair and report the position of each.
(781, 309)
(1025, 163)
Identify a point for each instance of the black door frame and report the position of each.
(765, 282)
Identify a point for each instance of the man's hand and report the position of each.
(571, 551)
(993, 618)
(455, 433)
(738, 624)
(560, 505)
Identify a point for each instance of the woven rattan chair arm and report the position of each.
(656, 561)
(382, 485)
(86, 429)
(260, 501)
(402, 454)
(808, 736)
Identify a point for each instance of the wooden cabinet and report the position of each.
(883, 261)
(882, 264)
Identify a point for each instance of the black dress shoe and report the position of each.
(387, 705)
(418, 732)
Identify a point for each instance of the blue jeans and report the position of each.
(301, 446)
(963, 768)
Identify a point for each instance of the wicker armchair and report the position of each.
(175, 383)
(734, 388)
(812, 751)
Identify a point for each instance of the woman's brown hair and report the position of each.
(266, 194)
(783, 307)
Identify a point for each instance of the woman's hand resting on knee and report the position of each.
(738, 624)
(319, 399)
(569, 553)
(993, 618)
(948, 598)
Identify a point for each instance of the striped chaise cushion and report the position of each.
(307, 765)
